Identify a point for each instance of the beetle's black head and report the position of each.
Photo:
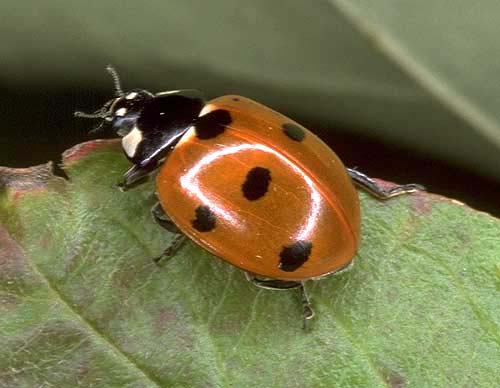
(122, 113)
(150, 124)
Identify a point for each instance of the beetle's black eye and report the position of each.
(126, 109)
(120, 108)
(130, 103)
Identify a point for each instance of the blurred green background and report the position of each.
(407, 91)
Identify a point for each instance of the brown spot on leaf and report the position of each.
(9, 301)
(168, 321)
(386, 185)
(127, 276)
(394, 379)
(80, 151)
(45, 240)
(17, 181)
(83, 370)
(12, 260)
(163, 319)
(421, 203)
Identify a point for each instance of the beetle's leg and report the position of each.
(171, 250)
(368, 184)
(306, 304)
(135, 176)
(165, 222)
(273, 284)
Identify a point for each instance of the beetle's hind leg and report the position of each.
(369, 185)
(165, 222)
(273, 284)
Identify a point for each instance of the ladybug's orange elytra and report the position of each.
(276, 204)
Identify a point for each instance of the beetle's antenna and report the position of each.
(105, 111)
(98, 114)
(116, 80)
(101, 113)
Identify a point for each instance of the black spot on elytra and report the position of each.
(256, 183)
(295, 255)
(212, 124)
(205, 219)
(294, 132)
(236, 99)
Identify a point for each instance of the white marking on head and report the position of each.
(121, 112)
(131, 96)
(131, 141)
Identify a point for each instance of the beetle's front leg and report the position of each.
(135, 176)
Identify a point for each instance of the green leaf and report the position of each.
(81, 303)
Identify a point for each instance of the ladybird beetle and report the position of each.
(243, 182)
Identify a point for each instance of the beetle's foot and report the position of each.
(404, 189)
(171, 250)
(306, 303)
(122, 186)
(370, 185)
(308, 315)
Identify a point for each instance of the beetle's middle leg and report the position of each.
(165, 222)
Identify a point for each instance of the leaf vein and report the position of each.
(93, 329)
